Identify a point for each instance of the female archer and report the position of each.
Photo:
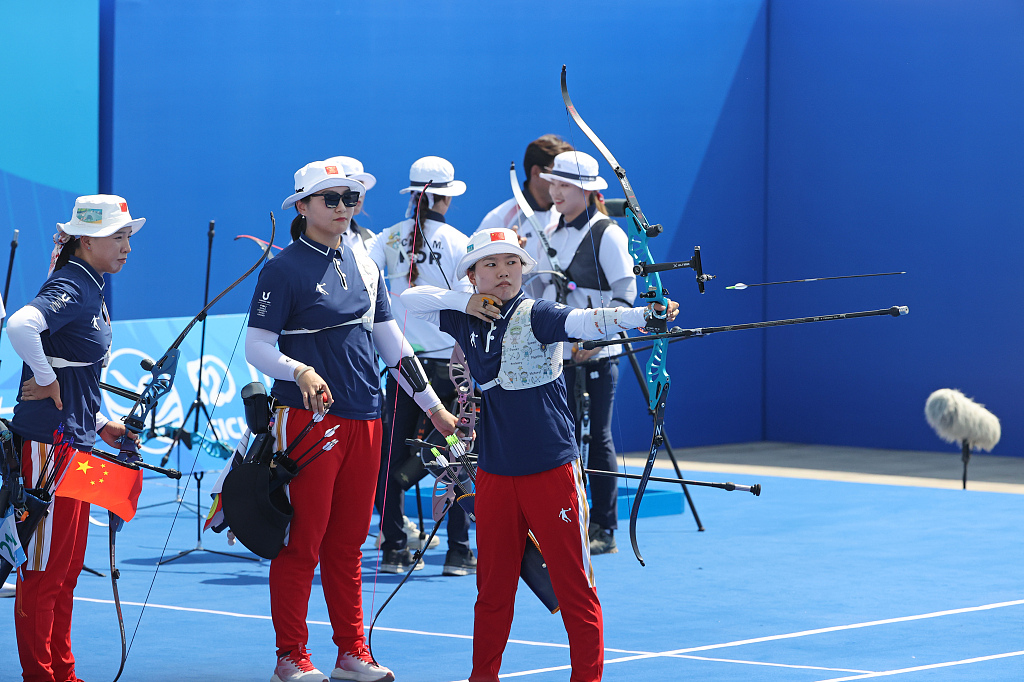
(513, 346)
(318, 316)
(63, 337)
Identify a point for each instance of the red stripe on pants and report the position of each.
(333, 502)
(45, 598)
(506, 507)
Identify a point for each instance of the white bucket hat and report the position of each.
(440, 173)
(576, 168)
(319, 175)
(353, 170)
(100, 215)
(491, 243)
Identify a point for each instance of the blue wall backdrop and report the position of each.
(49, 143)
(788, 138)
(895, 143)
(216, 106)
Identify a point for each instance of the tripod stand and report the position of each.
(181, 435)
(198, 475)
(197, 405)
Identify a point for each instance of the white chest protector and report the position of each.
(525, 361)
(371, 277)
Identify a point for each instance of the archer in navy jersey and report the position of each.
(529, 476)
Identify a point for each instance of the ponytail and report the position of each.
(417, 238)
(596, 200)
(298, 227)
(66, 252)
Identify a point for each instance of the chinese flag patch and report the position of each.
(124, 207)
(497, 236)
(331, 170)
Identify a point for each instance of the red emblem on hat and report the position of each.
(331, 170)
(497, 236)
(124, 207)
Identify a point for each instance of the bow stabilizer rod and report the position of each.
(678, 333)
(755, 489)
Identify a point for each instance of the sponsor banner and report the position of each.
(224, 373)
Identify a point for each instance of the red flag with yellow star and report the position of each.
(103, 482)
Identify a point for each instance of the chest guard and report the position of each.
(371, 277)
(525, 361)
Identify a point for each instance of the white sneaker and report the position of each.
(296, 667)
(359, 665)
(412, 533)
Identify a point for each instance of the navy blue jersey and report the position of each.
(78, 330)
(519, 432)
(313, 297)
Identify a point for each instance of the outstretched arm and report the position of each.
(600, 323)
(427, 302)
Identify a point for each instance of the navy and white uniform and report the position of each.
(326, 308)
(69, 319)
(315, 298)
(76, 342)
(529, 475)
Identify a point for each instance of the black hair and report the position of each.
(69, 249)
(298, 227)
(418, 222)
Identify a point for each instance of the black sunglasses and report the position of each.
(331, 199)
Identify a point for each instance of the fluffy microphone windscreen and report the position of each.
(957, 418)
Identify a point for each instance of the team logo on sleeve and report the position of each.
(263, 307)
(321, 288)
(564, 516)
(58, 303)
(96, 322)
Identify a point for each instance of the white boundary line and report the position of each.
(933, 666)
(675, 653)
(792, 635)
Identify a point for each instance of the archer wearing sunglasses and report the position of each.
(319, 316)
(350, 198)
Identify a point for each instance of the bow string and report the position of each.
(639, 233)
(158, 385)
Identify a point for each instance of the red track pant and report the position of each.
(553, 505)
(333, 502)
(42, 613)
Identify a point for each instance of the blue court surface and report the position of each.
(815, 580)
